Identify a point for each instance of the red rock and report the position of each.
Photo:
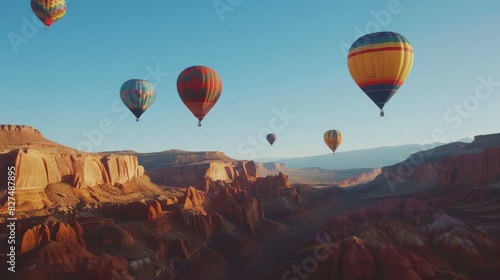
(246, 213)
(194, 200)
(180, 248)
(357, 261)
(419, 264)
(442, 224)
(136, 209)
(392, 265)
(460, 248)
(103, 267)
(162, 252)
(34, 237)
(79, 231)
(201, 225)
(473, 165)
(218, 221)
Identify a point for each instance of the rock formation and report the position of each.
(457, 164)
(39, 162)
(361, 179)
(136, 209)
(69, 260)
(42, 234)
(393, 238)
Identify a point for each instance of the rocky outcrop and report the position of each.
(42, 234)
(195, 174)
(194, 201)
(270, 185)
(180, 248)
(15, 136)
(361, 179)
(38, 162)
(110, 235)
(474, 164)
(69, 260)
(353, 258)
(195, 217)
(35, 169)
(402, 233)
(246, 211)
(103, 267)
(137, 209)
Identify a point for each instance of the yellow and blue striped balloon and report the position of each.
(48, 11)
(137, 95)
(379, 63)
(333, 139)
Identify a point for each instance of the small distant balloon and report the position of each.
(271, 137)
(48, 11)
(333, 139)
(379, 63)
(138, 95)
(199, 88)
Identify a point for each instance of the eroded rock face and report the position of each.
(137, 209)
(363, 178)
(69, 260)
(474, 165)
(246, 211)
(194, 214)
(42, 234)
(393, 238)
(37, 169)
(103, 267)
(195, 173)
(38, 162)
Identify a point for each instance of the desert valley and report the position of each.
(202, 215)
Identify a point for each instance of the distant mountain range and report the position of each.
(366, 158)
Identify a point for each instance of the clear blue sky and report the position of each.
(271, 55)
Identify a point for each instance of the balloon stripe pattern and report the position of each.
(199, 88)
(48, 11)
(333, 138)
(138, 95)
(379, 64)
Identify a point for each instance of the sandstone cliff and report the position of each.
(182, 168)
(457, 164)
(39, 162)
(361, 179)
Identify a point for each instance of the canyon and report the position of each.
(202, 215)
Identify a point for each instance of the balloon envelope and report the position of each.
(199, 88)
(333, 139)
(379, 63)
(271, 137)
(137, 95)
(48, 11)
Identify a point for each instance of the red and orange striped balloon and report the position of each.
(199, 88)
(380, 63)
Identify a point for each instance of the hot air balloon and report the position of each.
(48, 11)
(379, 63)
(137, 95)
(333, 138)
(271, 137)
(199, 88)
